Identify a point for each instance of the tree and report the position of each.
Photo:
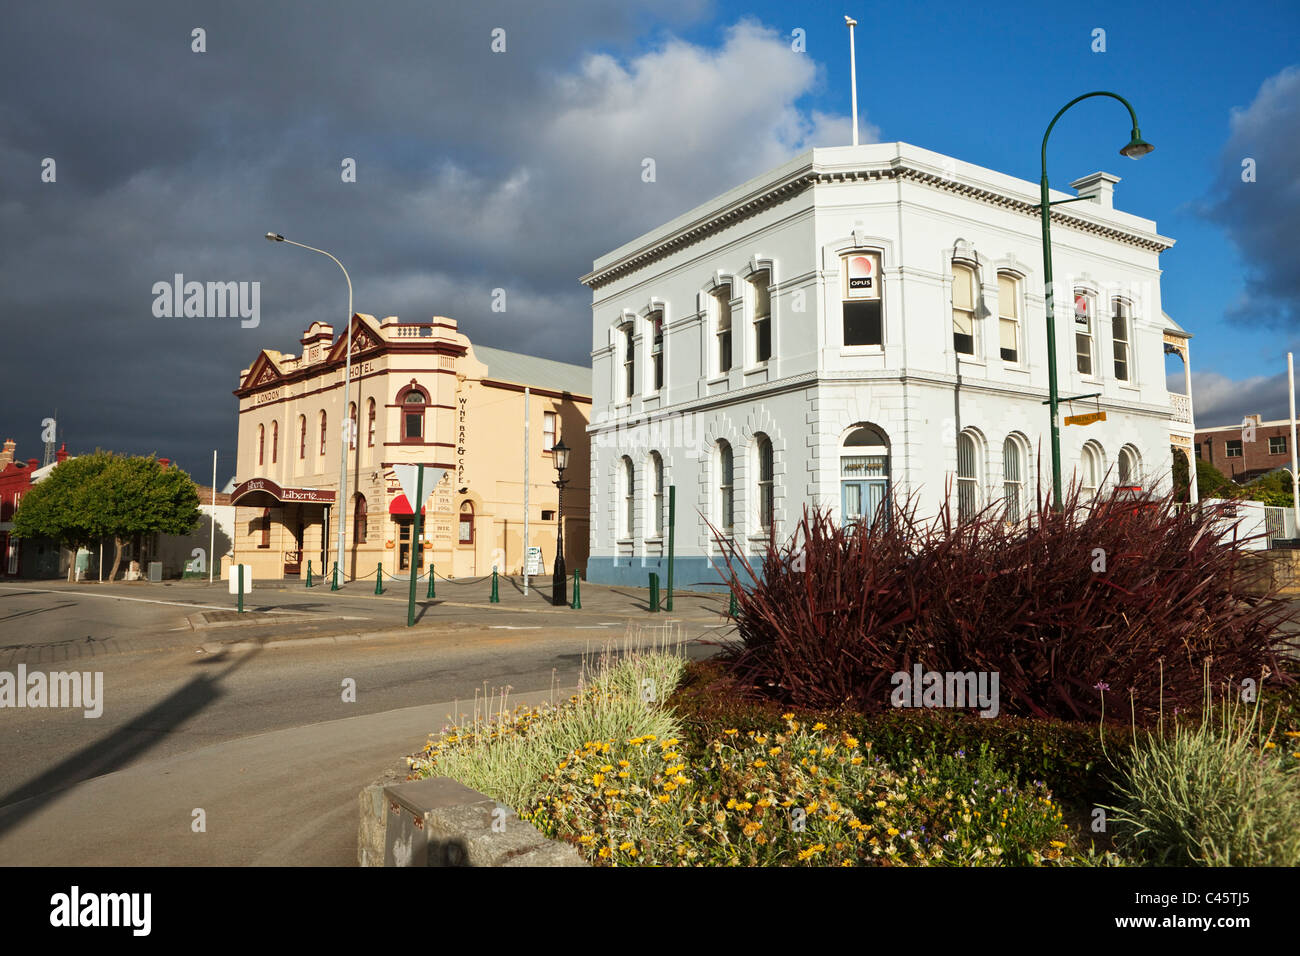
(106, 495)
(61, 506)
(1212, 483)
(1273, 489)
(136, 496)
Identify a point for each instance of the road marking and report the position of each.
(591, 627)
(120, 597)
(514, 627)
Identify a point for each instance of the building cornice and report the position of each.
(895, 169)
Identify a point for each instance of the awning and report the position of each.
(265, 493)
(401, 505)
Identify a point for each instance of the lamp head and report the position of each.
(1137, 147)
(849, 21)
(561, 453)
(274, 237)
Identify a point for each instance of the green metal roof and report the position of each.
(533, 371)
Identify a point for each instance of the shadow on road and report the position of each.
(119, 748)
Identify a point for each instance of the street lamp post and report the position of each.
(348, 436)
(1137, 148)
(559, 583)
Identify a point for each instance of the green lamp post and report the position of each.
(1137, 148)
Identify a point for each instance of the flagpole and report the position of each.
(212, 518)
(853, 75)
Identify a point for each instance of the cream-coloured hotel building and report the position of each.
(420, 393)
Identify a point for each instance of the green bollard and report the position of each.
(379, 579)
(431, 576)
(334, 578)
(654, 593)
(308, 574)
(241, 587)
(577, 601)
(495, 598)
(732, 608)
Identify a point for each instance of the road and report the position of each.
(206, 709)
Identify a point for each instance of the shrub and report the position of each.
(506, 755)
(1217, 791)
(1099, 594)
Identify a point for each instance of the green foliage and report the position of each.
(1212, 483)
(1273, 489)
(1217, 791)
(108, 495)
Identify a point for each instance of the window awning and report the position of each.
(264, 493)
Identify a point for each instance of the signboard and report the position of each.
(1085, 419)
(313, 495)
(408, 477)
(234, 578)
(533, 563)
(862, 277)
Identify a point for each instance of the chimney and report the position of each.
(1099, 187)
(32, 464)
(164, 463)
(62, 454)
(7, 456)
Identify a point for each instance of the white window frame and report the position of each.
(875, 294)
(1122, 309)
(726, 487)
(627, 516)
(1089, 334)
(1013, 480)
(959, 269)
(759, 289)
(656, 488)
(721, 297)
(968, 484)
(1009, 311)
(765, 497)
(656, 368)
(1090, 464)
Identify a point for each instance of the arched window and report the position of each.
(323, 419)
(261, 444)
(657, 348)
(657, 493)
(275, 442)
(629, 499)
(766, 501)
(1089, 471)
(967, 477)
(1013, 478)
(626, 332)
(466, 535)
(1009, 318)
(370, 426)
(413, 400)
(726, 489)
(1128, 467)
(864, 475)
(302, 436)
(963, 309)
(352, 425)
(359, 521)
(722, 329)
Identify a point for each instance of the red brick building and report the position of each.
(19, 558)
(1246, 451)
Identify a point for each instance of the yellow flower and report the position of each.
(598, 779)
(604, 852)
(664, 798)
(787, 716)
(1291, 733)
(1058, 844)
(586, 839)
(774, 751)
(624, 764)
(732, 732)
(892, 831)
(880, 804)
(1270, 745)
(760, 764)
(850, 741)
(624, 774)
(819, 726)
(625, 846)
(855, 761)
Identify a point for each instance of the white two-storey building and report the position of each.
(860, 322)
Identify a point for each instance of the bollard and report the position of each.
(654, 593)
(308, 574)
(495, 598)
(379, 579)
(334, 578)
(732, 608)
(577, 601)
(431, 594)
(241, 587)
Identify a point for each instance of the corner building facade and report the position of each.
(421, 393)
(860, 323)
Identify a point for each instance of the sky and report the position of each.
(479, 169)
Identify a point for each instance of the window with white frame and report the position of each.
(657, 349)
(657, 494)
(1277, 445)
(967, 477)
(762, 298)
(722, 329)
(1119, 325)
(1013, 479)
(1089, 471)
(726, 489)
(626, 332)
(766, 499)
(861, 302)
(1009, 317)
(963, 309)
(629, 498)
(1128, 467)
(1083, 315)
(550, 422)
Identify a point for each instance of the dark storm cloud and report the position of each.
(1220, 400)
(1261, 216)
(475, 170)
